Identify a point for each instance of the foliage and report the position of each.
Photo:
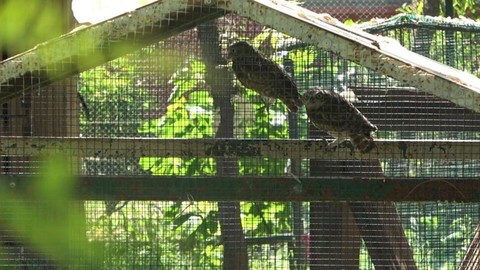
(416, 7)
(44, 219)
(26, 23)
(440, 233)
(161, 234)
(189, 115)
(188, 233)
(465, 8)
(115, 100)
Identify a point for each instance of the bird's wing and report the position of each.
(278, 78)
(333, 112)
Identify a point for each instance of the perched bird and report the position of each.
(263, 75)
(334, 114)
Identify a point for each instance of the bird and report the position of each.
(263, 75)
(334, 114)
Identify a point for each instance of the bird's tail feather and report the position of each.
(363, 141)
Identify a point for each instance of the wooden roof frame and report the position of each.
(85, 48)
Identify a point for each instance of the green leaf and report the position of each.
(349, 22)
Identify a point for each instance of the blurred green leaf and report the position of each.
(51, 224)
(25, 23)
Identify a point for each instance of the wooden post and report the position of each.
(220, 81)
(334, 239)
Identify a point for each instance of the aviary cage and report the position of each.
(181, 167)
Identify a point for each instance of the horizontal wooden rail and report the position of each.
(298, 149)
(254, 188)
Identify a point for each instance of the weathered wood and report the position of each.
(471, 260)
(281, 148)
(96, 44)
(298, 246)
(382, 232)
(334, 239)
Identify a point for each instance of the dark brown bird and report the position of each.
(263, 75)
(335, 115)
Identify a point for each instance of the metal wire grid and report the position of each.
(418, 220)
(356, 10)
(451, 43)
(126, 222)
(399, 112)
(156, 234)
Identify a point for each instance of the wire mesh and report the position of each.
(183, 87)
(328, 71)
(355, 10)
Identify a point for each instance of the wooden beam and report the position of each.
(381, 54)
(203, 148)
(94, 45)
(254, 188)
